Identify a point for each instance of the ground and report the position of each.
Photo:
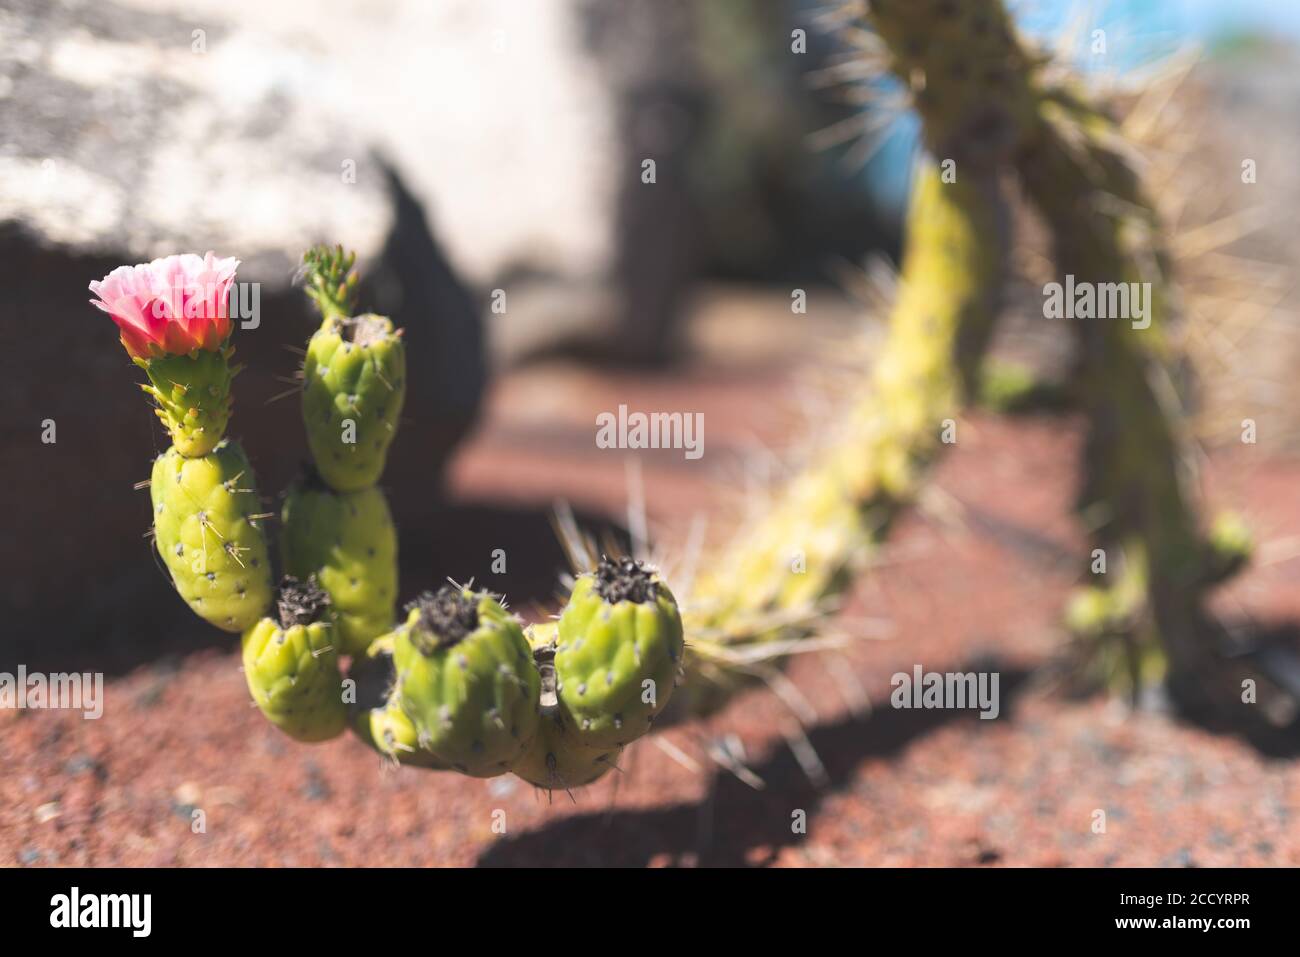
(974, 580)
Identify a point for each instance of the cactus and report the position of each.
(557, 756)
(292, 668)
(354, 380)
(618, 653)
(466, 680)
(349, 542)
(458, 685)
(208, 532)
(172, 320)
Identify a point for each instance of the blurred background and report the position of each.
(486, 159)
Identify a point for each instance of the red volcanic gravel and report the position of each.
(973, 580)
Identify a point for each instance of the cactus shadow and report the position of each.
(517, 553)
(734, 825)
(1270, 724)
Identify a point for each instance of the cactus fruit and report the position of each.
(354, 380)
(557, 757)
(206, 528)
(467, 680)
(292, 668)
(348, 541)
(618, 652)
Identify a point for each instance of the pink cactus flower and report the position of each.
(170, 306)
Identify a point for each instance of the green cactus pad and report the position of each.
(292, 668)
(377, 716)
(193, 396)
(557, 757)
(467, 680)
(208, 534)
(618, 651)
(348, 541)
(354, 384)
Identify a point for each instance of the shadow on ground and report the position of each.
(733, 821)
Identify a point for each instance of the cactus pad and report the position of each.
(354, 384)
(348, 541)
(291, 666)
(618, 652)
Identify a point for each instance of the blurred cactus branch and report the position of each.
(984, 96)
(1136, 491)
(990, 109)
(769, 588)
(330, 280)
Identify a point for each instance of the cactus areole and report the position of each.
(300, 602)
(446, 618)
(624, 580)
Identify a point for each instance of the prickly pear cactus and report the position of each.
(207, 531)
(349, 542)
(292, 668)
(618, 652)
(193, 396)
(557, 757)
(467, 680)
(354, 378)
